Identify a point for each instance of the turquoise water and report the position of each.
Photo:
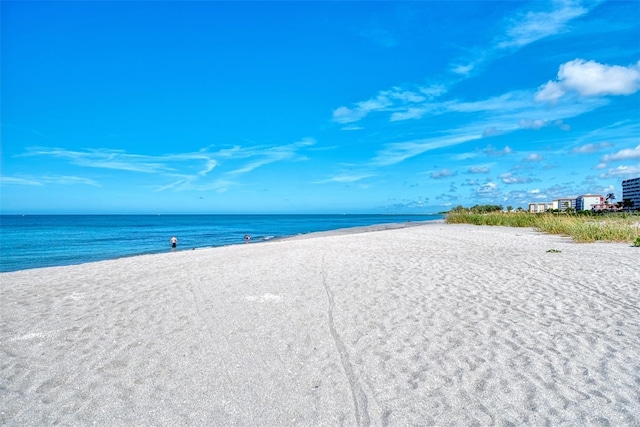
(34, 241)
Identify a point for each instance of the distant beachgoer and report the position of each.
(174, 241)
(247, 238)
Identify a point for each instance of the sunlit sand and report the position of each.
(433, 324)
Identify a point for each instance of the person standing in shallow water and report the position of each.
(174, 242)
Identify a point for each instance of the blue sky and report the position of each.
(315, 107)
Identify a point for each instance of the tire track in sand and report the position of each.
(360, 402)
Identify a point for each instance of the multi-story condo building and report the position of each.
(586, 202)
(631, 191)
(540, 207)
(564, 204)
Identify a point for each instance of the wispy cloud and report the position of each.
(345, 115)
(351, 127)
(346, 178)
(590, 148)
(105, 158)
(268, 155)
(397, 152)
(189, 183)
(188, 170)
(48, 179)
(9, 180)
(70, 180)
(528, 27)
(522, 29)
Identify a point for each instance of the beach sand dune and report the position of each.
(433, 324)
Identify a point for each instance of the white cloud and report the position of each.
(590, 148)
(550, 92)
(478, 169)
(622, 172)
(490, 151)
(522, 29)
(591, 79)
(532, 124)
(508, 178)
(533, 157)
(625, 154)
(443, 173)
(489, 187)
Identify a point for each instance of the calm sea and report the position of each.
(34, 241)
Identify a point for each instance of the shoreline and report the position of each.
(339, 231)
(437, 324)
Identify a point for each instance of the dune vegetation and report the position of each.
(581, 226)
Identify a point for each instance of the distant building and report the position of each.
(587, 202)
(631, 191)
(610, 207)
(540, 207)
(564, 204)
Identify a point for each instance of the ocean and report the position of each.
(36, 241)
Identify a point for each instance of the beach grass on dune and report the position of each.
(609, 228)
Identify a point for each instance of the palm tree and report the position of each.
(609, 198)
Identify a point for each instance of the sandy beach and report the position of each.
(433, 324)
